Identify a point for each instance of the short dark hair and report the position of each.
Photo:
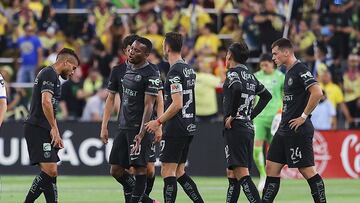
(282, 43)
(145, 42)
(67, 51)
(129, 40)
(266, 57)
(174, 40)
(240, 52)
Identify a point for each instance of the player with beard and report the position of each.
(178, 120)
(40, 128)
(292, 143)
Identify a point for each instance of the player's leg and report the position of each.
(276, 160)
(260, 135)
(233, 191)
(168, 173)
(315, 182)
(150, 177)
(188, 185)
(140, 184)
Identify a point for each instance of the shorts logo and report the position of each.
(290, 81)
(46, 147)
(191, 128)
(227, 151)
(47, 155)
(137, 78)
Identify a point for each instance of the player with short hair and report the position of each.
(292, 143)
(178, 120)
(115, 86)
(273, 80)
(240, 89)
(40, 128)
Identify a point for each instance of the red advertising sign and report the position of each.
(336, 153)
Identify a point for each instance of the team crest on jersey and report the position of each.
(290, 81)
(137, 78)
(47, 155)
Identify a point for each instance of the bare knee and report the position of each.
(180, 171)
(117, 171)
(168, 170)
(308, 172)
(230, 173)
(273, 169)
(240, 172)
(49, 168)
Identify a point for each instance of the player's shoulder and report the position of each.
(301, 67)
(47, 72)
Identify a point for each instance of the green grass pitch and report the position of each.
(104, 189)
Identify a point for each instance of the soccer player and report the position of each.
(178, 120)
(273, 80)
(115, 86)
(40, 128)
(3, 104)
(240, 88)
(140, 88)
(292, 143)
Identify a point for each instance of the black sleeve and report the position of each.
(265, 97)
(305, 76)
(152, 84)
(235, 101)
(113, 80)
(48, 81)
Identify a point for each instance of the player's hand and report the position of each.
(137, 141)
(158, 135)
(104, 135)
(228, 122)
(152, 126)
(56, 140)
(296, 123)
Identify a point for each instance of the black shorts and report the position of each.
(239, 144)
(152, 155)
(175, 149)
(121, 150)
(293, 148)
(39, 145)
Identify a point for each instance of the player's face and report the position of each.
(279, 56)
(165, 50)
(127, 51)
(69, 69)
(267, 66)
(227, 60)
(137, 53)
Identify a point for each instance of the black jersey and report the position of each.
(297, 80)
(46, 81)
(137, 83)
(250, 87)
(181, 78)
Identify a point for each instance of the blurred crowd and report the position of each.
(325, 33)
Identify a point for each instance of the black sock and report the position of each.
(149, 184)
(170, 189)
(190, 188)
(37, 187)
(250, 190)
(317, 187)
(138, 192)
(233, 191)
(128, 183)
(50, 192)
(271, 189)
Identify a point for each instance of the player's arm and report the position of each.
(3, 104)
(109, 103)
(47, 106)
(159, 112)
(264, 98)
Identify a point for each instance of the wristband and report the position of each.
(304, 116)
(158, 121)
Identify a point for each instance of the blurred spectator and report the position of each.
(93, 82)
(223, 5)
(187, 51)
(320, 66)
(163, 66)
(48, 39)
(194, 16)
(205, 93)
(36, 6)
(324, 115)
(31, 54)
(47, 19)
(334, 94)
(3, 24)
(145, 16)
(170, 16)
(102, 60)
(94, 108)
(270, 23)
(208, 42)
(16, 97)
(72, 100)
(352, 86)
(24, 16)
(302, 37)
(103, 16)
(230, 24)
(60, 3)
(154, 36)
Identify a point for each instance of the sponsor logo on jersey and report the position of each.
(130, 92)
(246, 76)
(175, 79)
(306, 75)
(155, 82)
(188, 71)
(48, 83)
(46, 147)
